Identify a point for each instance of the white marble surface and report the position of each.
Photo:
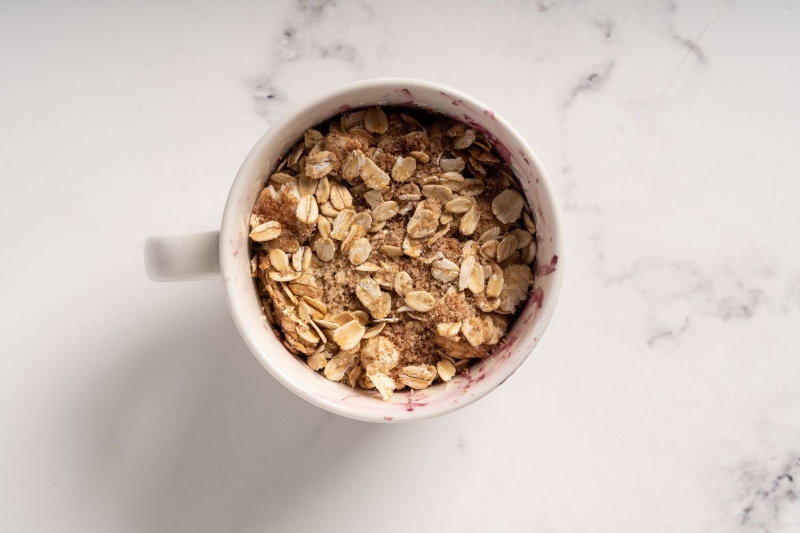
(665, 396)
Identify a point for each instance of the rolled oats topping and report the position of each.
(392, 250)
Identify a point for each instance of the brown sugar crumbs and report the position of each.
(391, 248)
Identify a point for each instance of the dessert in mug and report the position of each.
(392, 247)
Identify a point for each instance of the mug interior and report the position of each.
(482, 376)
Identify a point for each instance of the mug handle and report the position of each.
(182, 257)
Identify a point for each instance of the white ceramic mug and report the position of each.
(205, 255)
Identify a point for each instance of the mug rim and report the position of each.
(229, 266)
